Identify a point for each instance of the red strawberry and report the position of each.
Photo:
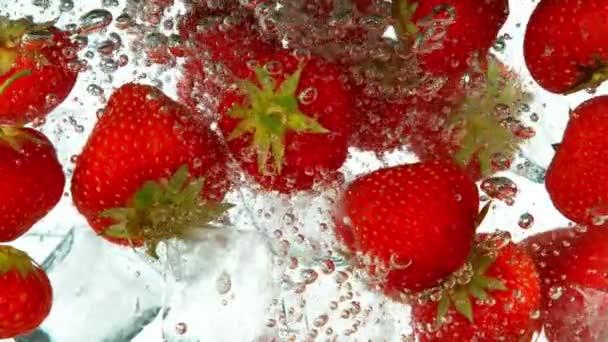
(554, 28)
(380, 124)
(150, 170)
(449, 33)
(289, 124)
(495, 300)
(474, 123)
(412, 224)
(32, 180)
(577, 178)
(573, 264)
(227, 38)
(35, 71)
(218, 41)
(25, 293)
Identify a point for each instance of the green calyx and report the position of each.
(482, 119)
(14, 136)
(403, 11)
(12, 259)
(164, 209)
(12, 33)
(592, 77)
(479, 286)
(269, 114)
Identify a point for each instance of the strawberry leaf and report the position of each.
(269, 114)
(492, 283)
(462, 303)
(164, 209)
(118, 231)
(442, 308)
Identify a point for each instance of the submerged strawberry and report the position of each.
(448, 34)
(578, 174)
(565, 44)
(31, 181)
(475, 123)
(409, 240)
(288, 125)
(573, 264)
(494, 298)
(35, 71)
(150, 170)
(217, 41)
(25, 293)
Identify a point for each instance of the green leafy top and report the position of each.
(402, 11)
(269, 113)
(12, 259)
(480, 286)
(11, 34)
(164, 209)
(484, 133)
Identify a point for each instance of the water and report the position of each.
(278, 278)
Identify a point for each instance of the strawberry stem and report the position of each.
(164, 209)
(402, 11)
(12, 259)
(269, 114)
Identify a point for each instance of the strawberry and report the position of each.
(576, 178)
(380, 123)
(554, 27)
(36, 69)
(25, 293)
(449, 33)
(476, 123)
(218, 40)
(150, 170)
(32, 180)
(494, 298)
(409, 240)
(288, 125)
(573, 264)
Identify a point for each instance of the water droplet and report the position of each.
(534, 117)
(181, 328)
(94, 21)
(223, 283)
(598, 214)
(526, 221)
(321, 321)
(66, 5)
(328, 266)
(274, 67)
(309, 276)
(124, 21)
(95, 90)
(501, 188)
(555, 292)
(308, 96)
